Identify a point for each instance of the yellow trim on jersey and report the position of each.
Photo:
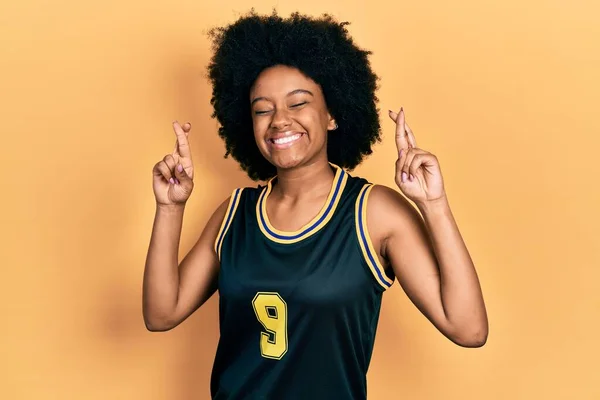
(234, 201)
(366, 245)
(318, 222)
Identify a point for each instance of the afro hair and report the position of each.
(322, 49)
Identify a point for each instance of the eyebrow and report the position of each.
(293, 92)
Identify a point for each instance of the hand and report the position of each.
(172, 177)
(418, 173)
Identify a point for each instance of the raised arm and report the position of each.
(173, 291)
(428, 254)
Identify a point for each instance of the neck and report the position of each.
(307, 181)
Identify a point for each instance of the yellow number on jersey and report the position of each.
(271, 312)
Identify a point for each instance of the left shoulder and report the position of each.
(389, 203)
(389, 212)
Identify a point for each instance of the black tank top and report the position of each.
(298, 310)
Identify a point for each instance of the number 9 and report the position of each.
(271, 312)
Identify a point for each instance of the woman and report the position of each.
(302, 261)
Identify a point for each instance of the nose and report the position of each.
(280, 120)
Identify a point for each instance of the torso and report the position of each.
(298, 310)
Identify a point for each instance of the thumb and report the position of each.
(181, 175)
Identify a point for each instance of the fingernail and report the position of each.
(410, 178)
(179, 168)
(401, 150)
(172, 180)
(177, 181)
(403, 176)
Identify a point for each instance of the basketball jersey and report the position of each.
(298, 310)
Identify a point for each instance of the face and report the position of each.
(290, 117)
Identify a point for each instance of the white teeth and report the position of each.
(286, 139)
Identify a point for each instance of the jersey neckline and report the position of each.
(317, 223)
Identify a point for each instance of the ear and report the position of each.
(331, 125)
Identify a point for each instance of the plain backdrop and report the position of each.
(505, 93)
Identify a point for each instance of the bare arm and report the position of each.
(432, 264)
(172, 292)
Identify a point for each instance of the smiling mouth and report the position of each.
(285, 142)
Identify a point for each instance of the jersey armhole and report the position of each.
(366, 245)
(234, 201)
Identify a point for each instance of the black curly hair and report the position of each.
(321, 49)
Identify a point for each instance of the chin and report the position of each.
(286, 161)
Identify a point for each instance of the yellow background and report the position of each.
(505, 93)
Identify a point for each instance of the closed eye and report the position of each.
(292, 106)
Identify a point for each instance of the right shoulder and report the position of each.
(228, 208)
(240, 194)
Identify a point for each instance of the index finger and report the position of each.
(401, 135)
(183, 147)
